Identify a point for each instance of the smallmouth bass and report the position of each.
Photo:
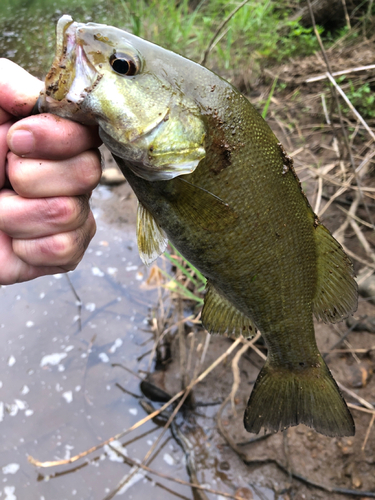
(211, 176)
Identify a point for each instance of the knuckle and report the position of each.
(67, 249)
(17, 173)
(60, 250)
(64, 249)
(7, 213)
(89, 170)
(61, 210)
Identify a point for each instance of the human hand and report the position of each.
(48, 168)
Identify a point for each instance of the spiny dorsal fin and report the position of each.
(336, 289)
(152, 241)
(220, 316)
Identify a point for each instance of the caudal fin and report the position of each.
(282, 398)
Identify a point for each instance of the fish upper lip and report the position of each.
(85, 78)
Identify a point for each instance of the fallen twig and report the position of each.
(368, 432)
(355, 112)
(148, 455)
(339, 73)
(53, 463)
(339, 233)
(78, 301)
(132, 462)
(356, 350)
(360, 408)
(343, 337)
(355, 217)
(362, 239)
(346, 14)
(358, 259)
(236, 370)
(363, 402)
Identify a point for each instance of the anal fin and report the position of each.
(336, 290)
(220, 316)
(152, 241)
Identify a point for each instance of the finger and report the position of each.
(36, 218)
(49, 136)
(64, 250)
(44, 178)
(19, 90)
(16, 270)
(4, 116)
(3, 151)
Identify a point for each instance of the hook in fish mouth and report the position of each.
(72, 76)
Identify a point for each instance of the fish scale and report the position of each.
(211, 177)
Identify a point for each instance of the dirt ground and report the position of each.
(299, 463)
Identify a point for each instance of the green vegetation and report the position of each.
(361, 95)
(259, 30)
(266, 106)
(187, 281)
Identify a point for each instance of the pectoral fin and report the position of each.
(206, 209)
(220, 316)
(152, 241)
(336, 290)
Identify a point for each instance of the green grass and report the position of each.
(187, 281)
(266, 106)
(361, 95)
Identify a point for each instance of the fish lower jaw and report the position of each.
(72, 76)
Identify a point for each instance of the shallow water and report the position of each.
(58, 389)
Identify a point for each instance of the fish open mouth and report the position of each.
(71, 76)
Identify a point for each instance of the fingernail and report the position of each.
(22, 142)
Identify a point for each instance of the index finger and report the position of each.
(4, 116)
(51, 137)
(3, 150)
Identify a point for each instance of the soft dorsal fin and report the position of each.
(336, 289)
(152, 240)
(220, 316)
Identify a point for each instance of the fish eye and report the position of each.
(124, 65)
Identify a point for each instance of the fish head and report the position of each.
(127, 86)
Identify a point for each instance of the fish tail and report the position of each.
(282, 398)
